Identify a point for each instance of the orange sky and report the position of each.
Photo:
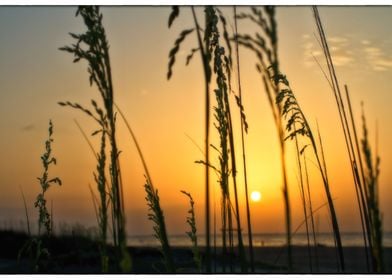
(35, 75)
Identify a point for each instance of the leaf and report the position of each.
(190, 56)
(175, 49)
(303, 149)
(173, 15)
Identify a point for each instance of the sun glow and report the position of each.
(255, 196)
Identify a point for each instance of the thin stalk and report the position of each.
(336, 91)
(234, 176)
(299, 226)
(250, 241)
(364, 209)
(215, 258)
(279, 126)
(51, 217)
(26, 212)
(224, 230)
(372, 174)
(311, 214)
(331, 213)
(207, 142)
(153, 203)
(302, 191)
(230, 229)
(94, 200)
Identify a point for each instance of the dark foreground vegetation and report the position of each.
(77, 253)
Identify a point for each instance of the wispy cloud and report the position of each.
(377, 58)
(338, 45)
(346, 52)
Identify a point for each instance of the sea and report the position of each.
(262, 239)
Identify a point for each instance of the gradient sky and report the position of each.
(35, 75)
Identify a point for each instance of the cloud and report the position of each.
(339, 47)
(341, 60)
(338, 40)
(377, 58)
(345, 52)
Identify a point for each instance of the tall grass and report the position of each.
(101, 211)
(191, 221)
(26, 212)
(213, 52)
(153, 203)
(360, 186)
(303, 198)
(311, 211)
(92, 46)
(266, 49)
(354, 156)
(44, 219)
(34, 247)
(205, 54)
(295, 116)
(244, 128)
(156, 216)
(372, 199)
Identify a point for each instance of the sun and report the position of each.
(255, 196)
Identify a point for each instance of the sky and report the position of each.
(168, 116)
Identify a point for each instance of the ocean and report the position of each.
(261, 239)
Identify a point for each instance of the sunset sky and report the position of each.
(35, 75)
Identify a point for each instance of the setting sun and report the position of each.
(255, 196)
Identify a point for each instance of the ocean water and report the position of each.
(262, 239)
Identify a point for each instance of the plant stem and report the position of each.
(207, 144)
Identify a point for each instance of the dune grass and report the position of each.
(372, 199)
(244, 129)
(191, 221)
(212, 52)
(44, 219)
(92, 46)
(205, 54)
(265, 46)
(34, 247)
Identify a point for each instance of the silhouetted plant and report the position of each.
(371, 183)
(45, 182)
(34, 246)
(265, 46)
(156, 213)
(192, 234)
(244, 128)
(206, 55)
(159, 227)
(221, 67)
(93, 47)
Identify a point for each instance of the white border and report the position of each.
(197, 2)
